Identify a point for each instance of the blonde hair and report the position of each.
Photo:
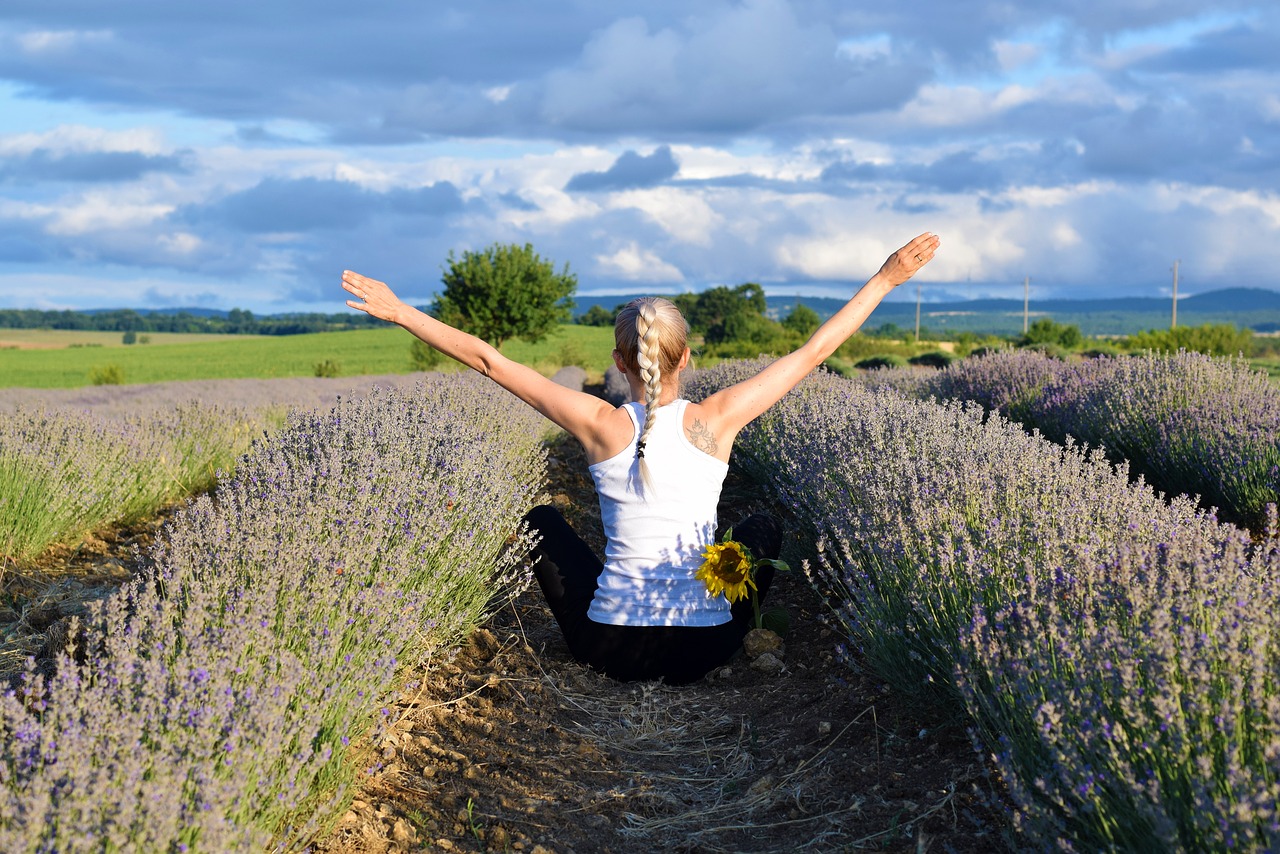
(651, 335)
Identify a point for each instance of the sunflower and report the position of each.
(726, 568)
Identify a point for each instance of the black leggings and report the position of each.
(568, 572)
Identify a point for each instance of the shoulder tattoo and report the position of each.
(702, 437)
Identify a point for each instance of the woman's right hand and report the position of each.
(372, 296)
(908, 260)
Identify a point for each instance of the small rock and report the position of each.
(824, 728)
(349, 817)
(541, 849)
(759, 641)
(571, 377)
(768, 663)
(402, 832)
(444, 844)
(497, 838)
(725, 673)
(617, 390)
(767, 783)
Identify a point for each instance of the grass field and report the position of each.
(57, 339)
(46, 364)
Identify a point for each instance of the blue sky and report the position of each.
(242, 154)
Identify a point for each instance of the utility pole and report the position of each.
(1175, 295)
(1026, 302)
(917, 312)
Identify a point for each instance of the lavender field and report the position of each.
(1116, 652)
(213, 703)
(1115, 646)
(74, 460)
(1189, 424)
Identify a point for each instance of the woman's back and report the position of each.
(656, 531)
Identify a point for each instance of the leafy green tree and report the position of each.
(1046, 332)
(129, 337)
(505, 291)
(597, 315)
(710, 311)
(802, 320)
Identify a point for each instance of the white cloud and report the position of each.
(83, 138)
(94, 212)
(684, 215)
(639, 265)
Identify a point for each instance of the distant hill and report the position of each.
(1255, 308)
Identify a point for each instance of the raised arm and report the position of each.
(733, 408)
(580, 414)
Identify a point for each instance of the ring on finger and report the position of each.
(919, 260)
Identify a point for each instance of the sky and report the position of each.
(243, 154)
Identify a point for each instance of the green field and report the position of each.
(55, 339)
(190, 357)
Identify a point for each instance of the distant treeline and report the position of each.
(235, 322)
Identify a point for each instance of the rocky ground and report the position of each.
(512, 746)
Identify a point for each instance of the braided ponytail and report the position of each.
(649, 359)
(650, 333)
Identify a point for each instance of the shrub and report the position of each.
(106, 375)
(932, 359)
(1188, 423)
(423, 356)
(328, 368)
(1213, 339)
(64, 473)
(880, 361)
(1117, 653)
(221, 694)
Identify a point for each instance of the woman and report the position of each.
(658, 463)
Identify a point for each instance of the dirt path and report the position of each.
(512, 746)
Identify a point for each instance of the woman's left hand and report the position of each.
(908, 260)
(372, 296)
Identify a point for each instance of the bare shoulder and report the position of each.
(705, 432)
(614, 432)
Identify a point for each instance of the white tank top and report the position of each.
(655, 535)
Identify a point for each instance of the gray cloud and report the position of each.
(42, 165)
(630, 170)
(309, 204)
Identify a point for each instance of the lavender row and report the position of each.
(1189, 423)
(1116, 652)
(218, 697)
(64, 473)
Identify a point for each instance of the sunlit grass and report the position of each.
(355, 353)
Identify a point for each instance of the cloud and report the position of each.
(633, 263)
(278, 205)
(80, 167)
(629, 171)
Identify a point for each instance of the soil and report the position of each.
(513, 746)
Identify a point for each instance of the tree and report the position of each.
(505, 291)
(1045, 331)
(597, 315)
(711, 311)
(802, 320)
